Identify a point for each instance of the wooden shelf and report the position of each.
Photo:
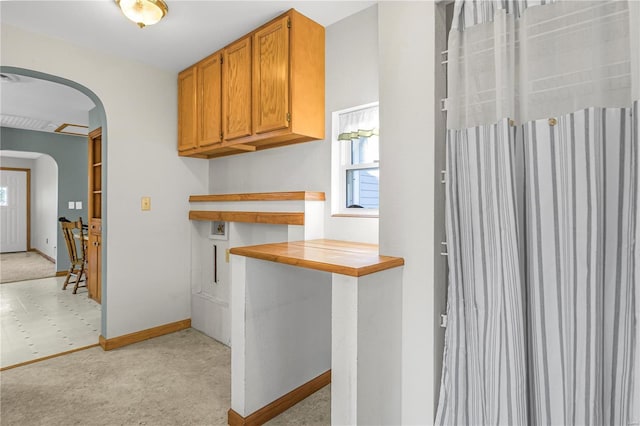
(260, 196)
(339, 257)
(274, 218)
(267, 212)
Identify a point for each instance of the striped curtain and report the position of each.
(544, 268)
(484, 378)
(580, 203)
(635, 410)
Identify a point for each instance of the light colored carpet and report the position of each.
(25, 265)
(313, 411)
(182, 378)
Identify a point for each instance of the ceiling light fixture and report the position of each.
(143, 12)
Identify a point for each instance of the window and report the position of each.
(3, 196)
(356, 161)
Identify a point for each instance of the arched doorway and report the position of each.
(97, 119)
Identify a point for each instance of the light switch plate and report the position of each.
(72, 205)
(145, 203)
(78, 205)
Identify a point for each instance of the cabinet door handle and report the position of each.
(96, 244)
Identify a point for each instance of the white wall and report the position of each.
(18, 163)
(44, 206)
(287, 328)
(409, 123)
(351, 79)
(147, 253)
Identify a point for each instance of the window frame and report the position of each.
(340, 152)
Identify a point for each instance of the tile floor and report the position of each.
(38, 319)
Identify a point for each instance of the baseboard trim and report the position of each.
(49, 258)
(61, 273)
(44, 358)
(281, 404)
(139, 336)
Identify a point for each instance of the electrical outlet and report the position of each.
(78, 205)
(226, 256)
(145, 203)
(72, 205)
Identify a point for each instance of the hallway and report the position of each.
(39, 319)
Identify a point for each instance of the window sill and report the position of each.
(374, 216)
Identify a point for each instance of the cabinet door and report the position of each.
(271, 77)
(187, 109)
(94, 277)
(237, 90)
(210, 100)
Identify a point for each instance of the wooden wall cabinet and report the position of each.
(236, 98)
(270, 66)
(272, 91)
(199, 106)
(209, 95)
(187, 109)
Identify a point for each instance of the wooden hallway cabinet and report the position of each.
(94, 255)
(94, 244)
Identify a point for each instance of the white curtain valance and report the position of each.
(528, 63)
(358, 123)
(467, 14)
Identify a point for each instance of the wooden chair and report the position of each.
(76, 238)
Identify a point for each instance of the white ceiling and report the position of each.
(190, 31)
(33, 104)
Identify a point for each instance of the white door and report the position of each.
(13, 211)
